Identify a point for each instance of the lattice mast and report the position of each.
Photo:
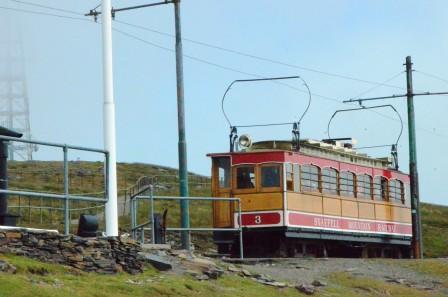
(14, 103)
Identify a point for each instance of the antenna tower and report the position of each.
(14, 103)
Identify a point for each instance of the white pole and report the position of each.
(109, 120)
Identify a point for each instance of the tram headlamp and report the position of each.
(245, 141)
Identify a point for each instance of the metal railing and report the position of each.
(149, 225)
(66, 196)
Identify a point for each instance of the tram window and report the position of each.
(329, 181)
(223, 165)
(310, 178)
(380, 188)
(245, 177)
(296, 178)
(396, 191)
(289, 177)
(347, 184)
(270, 176)
(364, 185)
(407, 192)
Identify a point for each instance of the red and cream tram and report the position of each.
(325, 199)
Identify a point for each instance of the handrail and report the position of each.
(141, 227)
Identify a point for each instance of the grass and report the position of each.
(432, 267)
(63, 281)
(87, 177)
(346, 285)
(435, 230)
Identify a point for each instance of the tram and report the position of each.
(310, 197)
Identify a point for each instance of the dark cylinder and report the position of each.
(5, 218)
(3, 176)
(88, 225)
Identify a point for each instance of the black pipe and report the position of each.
(3, 177)
(5, 218)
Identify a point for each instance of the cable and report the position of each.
(432, 75)
(377, 86)
(47, 7)
(229, 68)
(45, 14)
(233, 51)
(260, 76)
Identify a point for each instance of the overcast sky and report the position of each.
(364, 40)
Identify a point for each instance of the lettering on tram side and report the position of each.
(361, 226)
(327, 223)
(389, 228)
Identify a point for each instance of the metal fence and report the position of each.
(66, 197)
(149, 225)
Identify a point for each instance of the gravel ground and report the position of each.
(302, 271)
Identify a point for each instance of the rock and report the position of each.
(246, 273)
(101, 255)
(306, 289)
(399, 281)
(133, 282)
(7, 268)
(214, 273)
(158, 262)
(318, 283)
(13, 235)
(156, 247)
(234, 269)
(38, 270)
(192, 273)
(202, 277)
(203, 262)
(272, 283)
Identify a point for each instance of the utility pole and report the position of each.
(109, 121)
(415, 198)
(182, 144)
(417, 242)
(183, 171)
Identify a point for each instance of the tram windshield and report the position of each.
(245, 177)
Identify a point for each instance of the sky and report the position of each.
(363, 40)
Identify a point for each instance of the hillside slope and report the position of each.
(87, 177)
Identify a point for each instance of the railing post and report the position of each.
(142, 234)
(240, 223)
(131, 209)
(151, 197)
(66, 201)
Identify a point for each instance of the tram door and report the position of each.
(221, 187)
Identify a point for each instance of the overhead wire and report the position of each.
(265, 59)
(46, 7)
(45, 14)
(377, 86)
(432, 76)
(223, 66)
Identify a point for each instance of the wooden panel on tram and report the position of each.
(332, 206)
(304, 202)
(366, 210)
(261, 201)
(349, 208)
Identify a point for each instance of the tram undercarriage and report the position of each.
(294, 242)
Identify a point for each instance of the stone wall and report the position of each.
(102, 255)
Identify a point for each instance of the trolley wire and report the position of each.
(230, 68)
(377, 86)
(432, 76)
(261, 58)
(45, 14)
(46, 7)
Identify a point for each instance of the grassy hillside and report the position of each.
(87, 177)
(435, 230)
(36, 279)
